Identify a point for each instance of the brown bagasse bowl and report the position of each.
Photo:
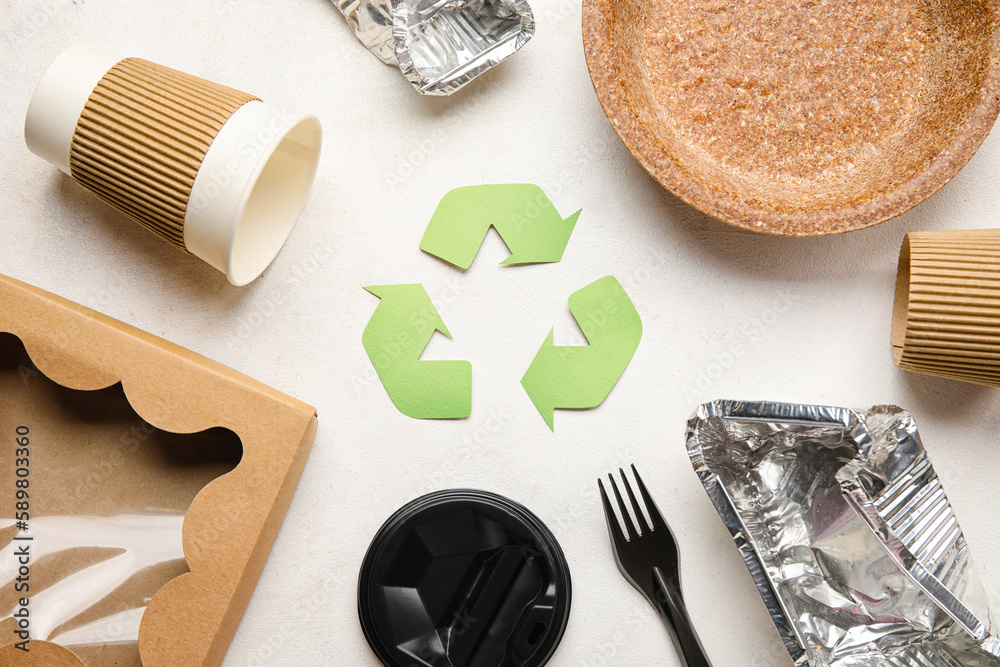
(792, 117)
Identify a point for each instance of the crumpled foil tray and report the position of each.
(440, 45)
(847, 533)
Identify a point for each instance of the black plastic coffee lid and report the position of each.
(464, 578)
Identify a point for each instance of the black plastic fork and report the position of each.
(648, 560)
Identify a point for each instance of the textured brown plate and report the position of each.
(797, 117)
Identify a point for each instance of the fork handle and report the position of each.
(670, 604)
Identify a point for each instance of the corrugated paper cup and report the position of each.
(946, 317)
(214, 171)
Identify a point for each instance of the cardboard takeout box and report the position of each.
(113, 427)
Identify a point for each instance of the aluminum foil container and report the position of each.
(440, 45)
(847, 533)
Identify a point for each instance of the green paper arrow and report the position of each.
(523, 216)
(396, 336)
(582, 376)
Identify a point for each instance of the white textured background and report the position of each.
(813, 315)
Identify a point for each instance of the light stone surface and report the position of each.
(727, 314)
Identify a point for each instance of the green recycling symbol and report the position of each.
(573, 376)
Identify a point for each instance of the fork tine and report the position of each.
(613, 526)
(654, 513)
(640, 517)
(626, 519)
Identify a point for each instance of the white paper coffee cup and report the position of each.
(214, 171)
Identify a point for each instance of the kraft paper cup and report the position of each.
(214, 171)
(946, 317)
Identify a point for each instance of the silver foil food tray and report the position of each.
(847, 532)
(440, 45)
